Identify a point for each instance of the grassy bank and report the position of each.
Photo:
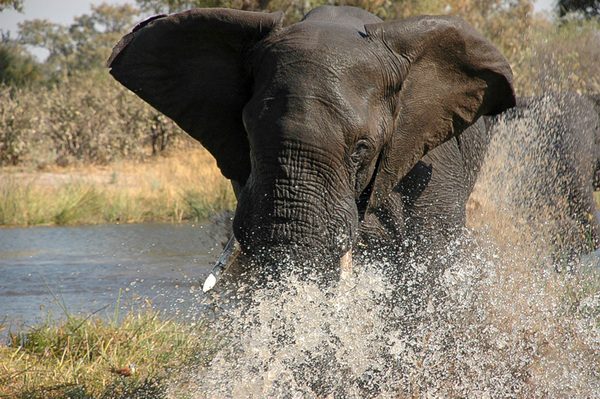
(89, 357)
(184, 186)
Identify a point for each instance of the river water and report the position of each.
(81, 270)
(499, 324)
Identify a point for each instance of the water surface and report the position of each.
(86, 269)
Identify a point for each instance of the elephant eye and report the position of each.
(360, 151)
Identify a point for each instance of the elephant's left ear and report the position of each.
(448, 75)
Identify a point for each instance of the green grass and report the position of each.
(77, 204)
(77, 358)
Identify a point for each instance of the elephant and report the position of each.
(338, 132)
(541, 171)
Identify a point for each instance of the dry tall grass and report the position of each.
(183, 186)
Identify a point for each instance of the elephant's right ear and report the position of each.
(191, 66)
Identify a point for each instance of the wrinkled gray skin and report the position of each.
(326, 127)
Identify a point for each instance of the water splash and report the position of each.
(535, 186)
(496, 325)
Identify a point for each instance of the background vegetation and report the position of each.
(66, 112)
(186, 186)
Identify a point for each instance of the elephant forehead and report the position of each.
(312, 84)
(312, 107)
(317, 115)
(326, 53)
(315, 78)
(318, 35)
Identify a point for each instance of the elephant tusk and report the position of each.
(228, 252)
(224, 260)
(346, 264)
(209, 283)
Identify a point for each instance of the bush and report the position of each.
(86, 119)
(17, 119)
(560, 57)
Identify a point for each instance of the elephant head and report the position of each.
(314, 123)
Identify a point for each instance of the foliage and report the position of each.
(14, 4)
(293, 9)
(588, 8)
(48, 35)
(83, 45)
(169, 6)
(94, 35)
(17, 123)
(80, 121)
(561, 57)
(79, 114)
(89, 119)
(17, 67)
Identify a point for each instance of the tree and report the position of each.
(14, 4)
(293, 9)
(83, 45)
(169, 6)
(94, 35)
(17, 67)
(48, 35)
(587, 8)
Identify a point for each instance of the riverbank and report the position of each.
(183, 186)
(97, 358)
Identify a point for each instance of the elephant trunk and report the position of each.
(296, 205)
(296, 198)
(290, 212)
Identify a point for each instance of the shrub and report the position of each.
(17, 118)
(85, 119)
(560, 57)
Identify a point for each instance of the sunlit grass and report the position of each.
(85, 357)
(184, 186)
